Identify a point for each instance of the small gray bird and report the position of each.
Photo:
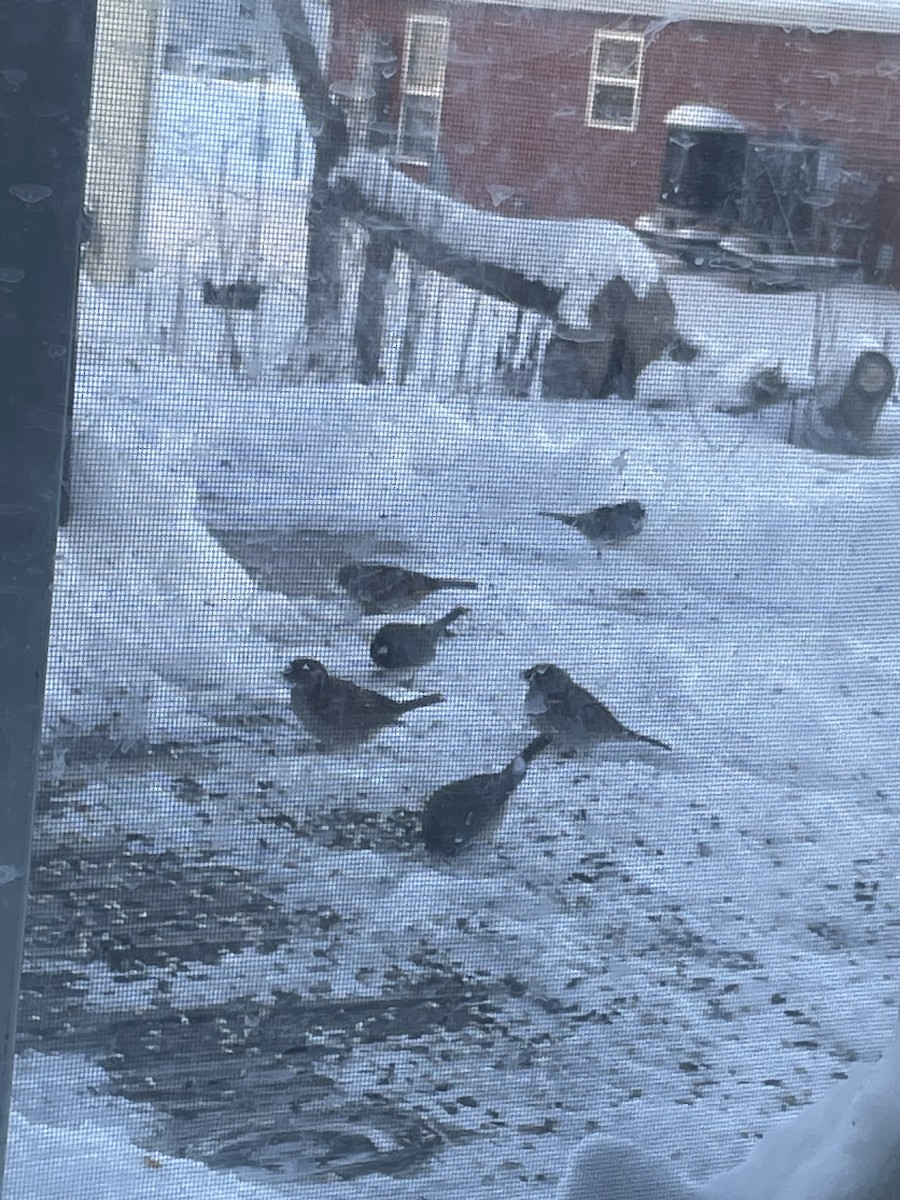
(457, 812)
(556, 705)
(380, 588)
(403, 647)
(607, 525)
(339, 713)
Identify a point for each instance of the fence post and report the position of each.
(45, 78)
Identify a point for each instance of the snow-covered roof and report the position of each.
(822, 16)
(701, 116)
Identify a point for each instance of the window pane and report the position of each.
(419, 127)
(617, 58)
(613, 103)
(426, 56)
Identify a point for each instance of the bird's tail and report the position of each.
(470, 584)
(421, 701)
(444, 623)
(519, 764)
(536, 746)
(566, 518)
(642, 737)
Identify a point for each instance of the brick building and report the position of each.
(733, 116)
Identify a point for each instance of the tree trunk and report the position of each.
(323, 269)
(328, 128)
(412, 329)
(426, 248)
(625, 332)
(379, 257)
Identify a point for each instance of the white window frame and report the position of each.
(595, 79)
(405, 90)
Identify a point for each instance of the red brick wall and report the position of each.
(516, 88)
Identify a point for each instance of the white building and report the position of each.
(198, 151)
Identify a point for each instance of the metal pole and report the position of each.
(45, 76)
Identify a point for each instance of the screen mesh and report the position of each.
(470, 723)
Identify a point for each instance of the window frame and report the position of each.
(596, 79)
(44, 137)
(436, 94)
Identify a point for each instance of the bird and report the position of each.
(457, 812)
(380, 588)
(557, 705)
(399, 646)
(340, 713)
(607, 525)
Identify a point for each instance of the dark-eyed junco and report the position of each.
(458, 812)
(402, 647)
(555, 704)
(607, 524)
(380, 588)
(338, 712)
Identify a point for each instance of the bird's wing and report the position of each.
(348, 704)
(578, 709)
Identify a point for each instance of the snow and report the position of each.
(604, 1168)
(846, 1146)
(226, 179)
(678, 950)
(580, 257)
(701, 116)
(160, 620)
(821, 16)
(61, 1159)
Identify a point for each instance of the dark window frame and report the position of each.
(41, 228)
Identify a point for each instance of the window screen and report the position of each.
(468, 760)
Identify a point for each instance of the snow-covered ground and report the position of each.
(679, 949)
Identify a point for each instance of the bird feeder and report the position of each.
(241, 296)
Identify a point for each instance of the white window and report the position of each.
(422, 88)
(614, 91)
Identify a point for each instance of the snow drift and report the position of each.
(846, 1146)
